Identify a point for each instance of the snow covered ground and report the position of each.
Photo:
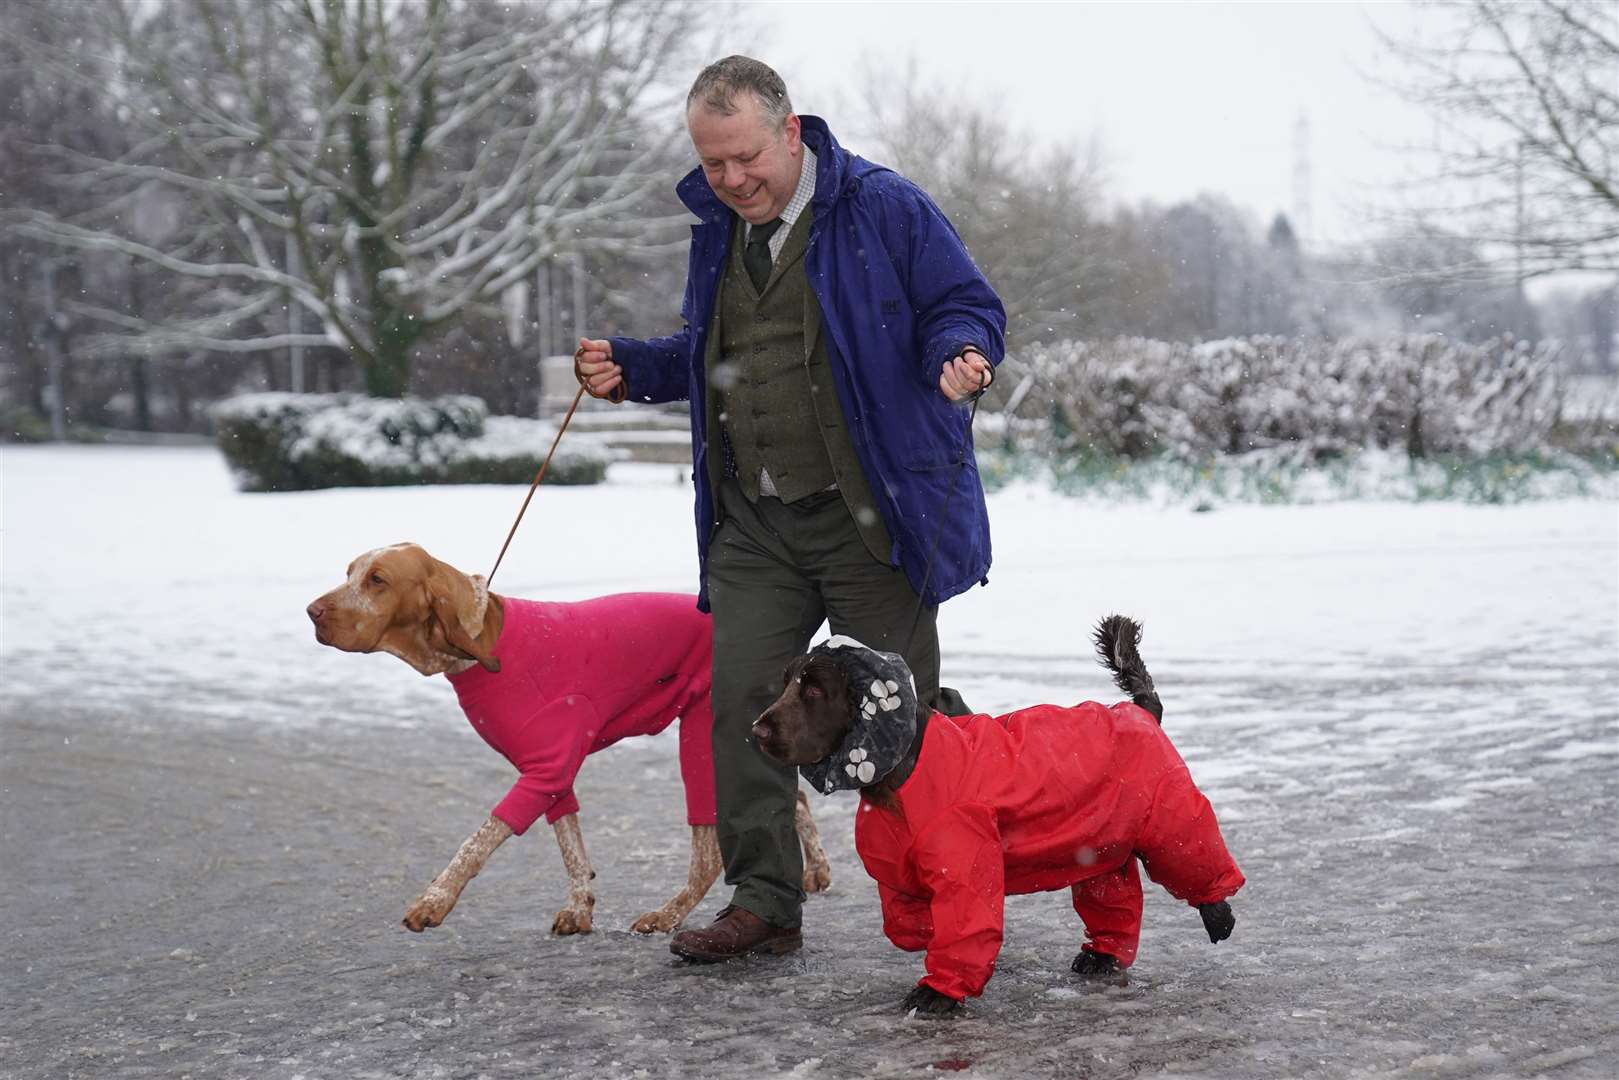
(1407, 717)
(147, 569)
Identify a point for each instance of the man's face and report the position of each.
(752, 166)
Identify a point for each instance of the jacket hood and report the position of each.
(835, 169)
(883, 698)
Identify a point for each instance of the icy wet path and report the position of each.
(223, 903)
(1407, 718)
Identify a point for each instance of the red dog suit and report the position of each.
(1041, 799)
(575, 678)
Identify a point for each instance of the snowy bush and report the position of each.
(296, 442)
(1281, 477)
(1311, 400)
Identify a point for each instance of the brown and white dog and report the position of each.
(401, 600)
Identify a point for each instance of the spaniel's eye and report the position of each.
(811, 690)
(376, 579)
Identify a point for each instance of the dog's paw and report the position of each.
(429, 909)
(924, 1001)
(1218, 920)
(656, 922)
(571, 920)
(817, 876)
(1096, 965)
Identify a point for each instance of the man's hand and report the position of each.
(594, 368)
(965, 375)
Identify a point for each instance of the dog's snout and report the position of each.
(316, 612)
(762, 730)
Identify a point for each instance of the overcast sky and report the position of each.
(1183, 97)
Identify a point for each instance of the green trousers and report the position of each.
(775, 572)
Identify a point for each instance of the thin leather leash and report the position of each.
(615, 396)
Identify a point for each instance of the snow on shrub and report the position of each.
(1278, 476)
(297, 442)
(1422, 394)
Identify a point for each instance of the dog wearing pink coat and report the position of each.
(546, 685)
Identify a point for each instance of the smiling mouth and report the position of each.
(749, 196)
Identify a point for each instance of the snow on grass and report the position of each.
(133, 573)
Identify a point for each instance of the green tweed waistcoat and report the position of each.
(770, 390)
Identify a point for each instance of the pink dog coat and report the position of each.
(575, 678)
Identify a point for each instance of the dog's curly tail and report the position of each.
(1116, 639)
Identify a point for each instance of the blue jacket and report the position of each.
(900, 297)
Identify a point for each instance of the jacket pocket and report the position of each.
(941, 444)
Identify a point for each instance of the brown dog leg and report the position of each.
(705, 868)
(817, 871)
(434, 904)
(575, 917)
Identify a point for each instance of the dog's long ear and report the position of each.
(458, 605)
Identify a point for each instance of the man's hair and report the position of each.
(719, 83)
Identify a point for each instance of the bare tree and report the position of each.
(1426, 294)
(45, 100)
(1584, 320)
(1526, 93)
(1027, 216)
(366, 172)
(1032, 218)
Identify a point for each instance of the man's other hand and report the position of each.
(965, 375)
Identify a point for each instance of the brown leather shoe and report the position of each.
(735, 932)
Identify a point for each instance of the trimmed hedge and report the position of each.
(1279, 476)
(301, 442)
(1424, 395)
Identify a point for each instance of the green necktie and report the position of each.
(756, 256)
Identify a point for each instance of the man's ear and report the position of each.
(453, 602)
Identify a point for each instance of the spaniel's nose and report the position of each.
(316, 611)
(761, 730)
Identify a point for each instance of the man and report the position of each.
(834, 328)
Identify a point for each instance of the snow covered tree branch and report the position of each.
(382, 167)
(1526, 96)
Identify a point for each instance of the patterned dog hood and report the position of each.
(883, 697)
